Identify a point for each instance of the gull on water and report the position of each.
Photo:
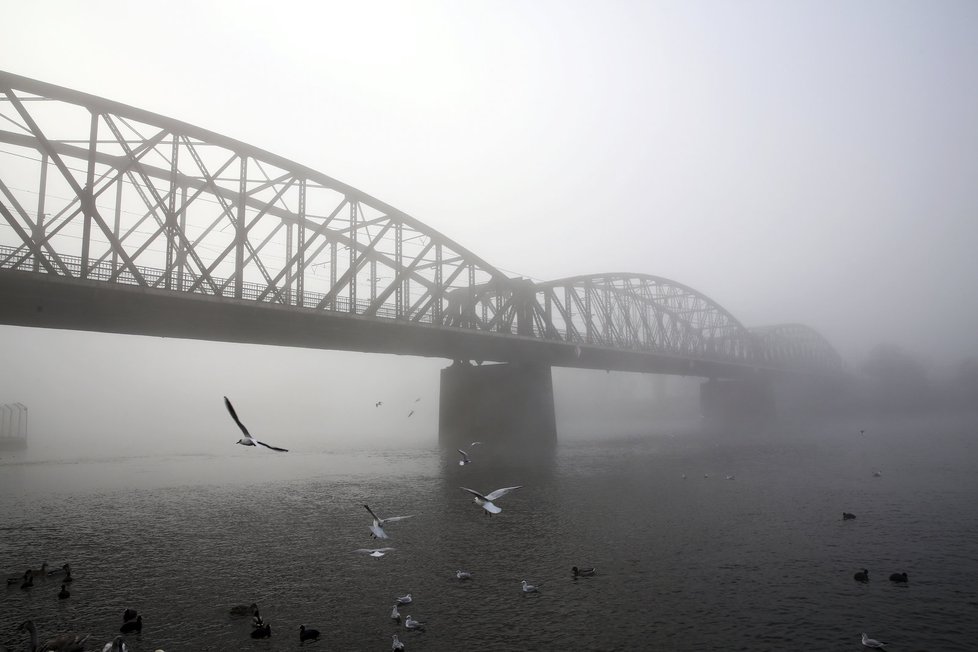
(118, 644)
(248, 440)
(374, 552)
(395, 615)
(485, 502)
(528, 588)
(404, 599)
(411, 623)
(59, 643)
(465, 458)
(872, 642)
(877, 474)
(396, 644)
(378, 526)
(463, 575)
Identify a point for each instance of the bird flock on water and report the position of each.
(132, 622)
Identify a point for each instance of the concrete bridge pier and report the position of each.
(737, 399)
(511, 404)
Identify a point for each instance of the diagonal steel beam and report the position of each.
(92, 209)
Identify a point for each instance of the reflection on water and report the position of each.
(761, 562)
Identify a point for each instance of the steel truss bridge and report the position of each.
(122, 220)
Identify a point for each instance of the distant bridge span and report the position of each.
(121, 220)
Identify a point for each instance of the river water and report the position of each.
(762, 561)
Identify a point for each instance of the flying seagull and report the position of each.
(485, 502)
(465, 458)
(378, 527)
(374, 552)
(248, 440)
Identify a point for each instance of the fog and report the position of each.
(805, 162)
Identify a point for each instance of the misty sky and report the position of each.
(809, 162)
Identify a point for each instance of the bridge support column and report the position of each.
(508, 403)
(737, 399)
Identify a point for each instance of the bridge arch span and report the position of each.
(96, 189)
(639, 312)
(96, 193)
(796, 346)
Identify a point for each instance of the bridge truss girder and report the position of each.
(93, 189)
(637, 312)
(796, 345)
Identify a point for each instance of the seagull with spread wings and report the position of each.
(378, 525)
(485, 502)
(248, 440)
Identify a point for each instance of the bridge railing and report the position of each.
(15, 258)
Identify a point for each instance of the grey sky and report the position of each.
(809, 162)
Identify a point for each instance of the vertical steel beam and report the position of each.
(398, 266)
(439, 290)
(117, 223)
(354, 250)
(332, 270)
(240, 232)
(171, 214)
(88, 196)
(289, 228)
(300, 263)
(39, 222)
(587, 311)
(181, 245)
(373, 280)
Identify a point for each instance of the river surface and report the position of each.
(762, 561)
